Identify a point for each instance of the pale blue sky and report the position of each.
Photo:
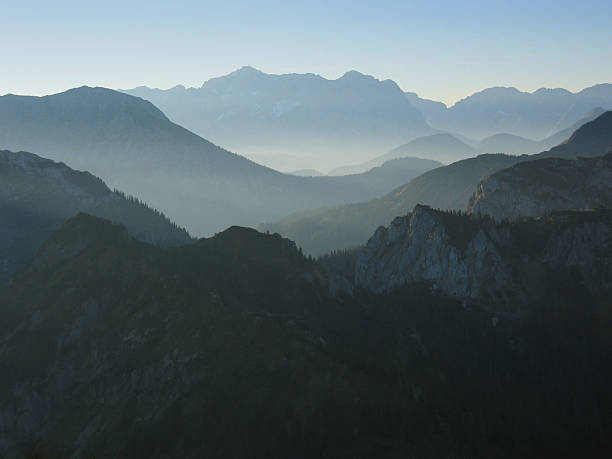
(441, 50)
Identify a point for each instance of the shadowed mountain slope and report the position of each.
(448, 188)
(235, 347)
(131, 145)
(444, 148)
(37, 195)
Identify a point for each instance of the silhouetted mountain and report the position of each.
(565, 134)
(390, 174)
(590, 140)
(304, 118)
(513, 144)
(448, 188)
(449, 148)
(440, 147)
(235, 347)
(538, 187)
(444, 148)
(307, 173)
(431, 109)
(131, 145)
(509, 144)
(533, 115)
(37, 195)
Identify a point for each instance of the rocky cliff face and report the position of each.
(505, 264)
(534, 188)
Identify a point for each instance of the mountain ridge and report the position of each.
(503, 265)
(113, 347)
(448, 188)
(541, 186)
(133, 146)
(310, 121)
(37, 195)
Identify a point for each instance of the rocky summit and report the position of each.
(503, 265)
(534, 188)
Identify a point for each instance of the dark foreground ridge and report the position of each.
(235, 347)
(37, 195)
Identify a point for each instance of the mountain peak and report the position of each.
(551, 91)
(247, 70)
(103, 100)
(78, 233)
(242, 240)
(354, 75)
(594, 131)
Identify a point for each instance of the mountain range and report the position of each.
(448, 148)
(479, 329)
(134, 147)
(535, 115)
(298, 121)
(113, 347)
(449, 188)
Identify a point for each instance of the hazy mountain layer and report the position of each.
(448, 148)
(303, 121)
(513, 144)
(448, 188)
(306, 119)
(131, 144)
(534, 115)
(235, 347)
(439, 147)
(37, 195)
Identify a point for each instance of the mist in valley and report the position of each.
(337, 230)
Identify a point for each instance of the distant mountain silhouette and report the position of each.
(589, 140)
(509, 143)
(392, 172)
(449, 188)
(533, 115)
(513, 144)
(320, 231)
(444, 148)
(307, 173)
(432, 110)
(448, 148)
(130, 144)
(324, 122)
(37, 195)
